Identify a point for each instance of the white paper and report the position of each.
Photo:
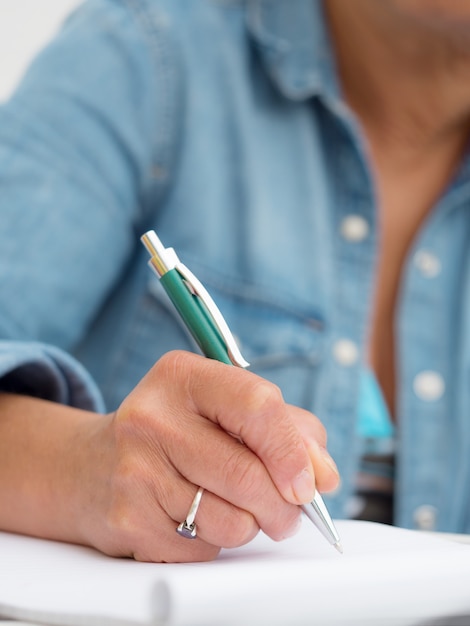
(386, 577)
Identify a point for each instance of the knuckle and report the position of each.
(122, 527)
(131, 418)
(239, 526)
(264, 398)
(285, 524)
(119, 522)
(173, 369)
(289, 453)
(241, 472)
(129, 472)
(172, 362)
(128, 482)
(131, 491)
(138, 423)
(284, 447)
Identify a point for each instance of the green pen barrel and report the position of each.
(195, 316)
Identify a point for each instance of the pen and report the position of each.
(210, 331)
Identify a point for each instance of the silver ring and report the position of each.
(187, 528)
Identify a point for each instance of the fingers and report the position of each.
(196, 422)
(218, 525)
(218, 522)
(227, 468)
(250, 408)
(314, 435)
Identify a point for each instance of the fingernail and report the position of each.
(304, 487)
(294, 529)
(316, 448)
(328, 460)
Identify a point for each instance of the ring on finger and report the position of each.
(187, 528)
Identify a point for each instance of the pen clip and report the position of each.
(198, 289)
(163, 260)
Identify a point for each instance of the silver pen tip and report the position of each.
(339, 547)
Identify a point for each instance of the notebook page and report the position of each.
(387, 576)
(58, 583)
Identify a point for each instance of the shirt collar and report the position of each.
(293, 40)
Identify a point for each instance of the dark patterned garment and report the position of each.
(373, 498)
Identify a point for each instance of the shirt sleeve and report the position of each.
(80, 142)
(47, 372)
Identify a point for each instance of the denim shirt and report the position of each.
(221, 124)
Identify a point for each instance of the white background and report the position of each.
(25, 26)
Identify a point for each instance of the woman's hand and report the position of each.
(125, 481)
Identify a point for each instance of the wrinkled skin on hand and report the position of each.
(123, 482)
(183, 427)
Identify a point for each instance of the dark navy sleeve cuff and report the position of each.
(43, 371)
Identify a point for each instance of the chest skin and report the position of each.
(406, 197)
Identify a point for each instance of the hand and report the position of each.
(171, 435)
(123, 482)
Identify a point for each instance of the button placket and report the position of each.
(429, 386)
(345, 352)
(428, 264)
(424, 380)
(354, 228)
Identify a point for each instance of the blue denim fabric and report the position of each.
(220, 123)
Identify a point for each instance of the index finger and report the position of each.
(253, 409)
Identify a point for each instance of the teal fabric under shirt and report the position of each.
(374, 425)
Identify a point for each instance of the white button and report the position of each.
(427, 263)
(345, 352)
(354, 228)
(425, 517)
(429, 386)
